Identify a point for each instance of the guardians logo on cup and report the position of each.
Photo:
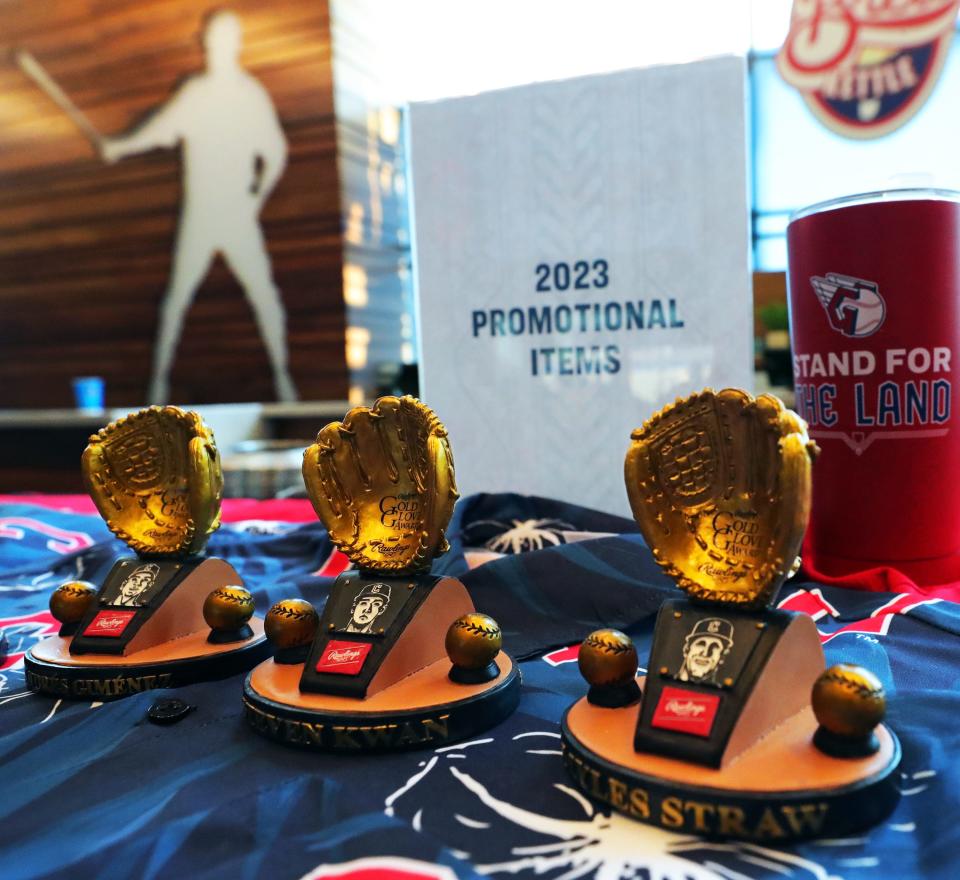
(854, 307)
(864, 67)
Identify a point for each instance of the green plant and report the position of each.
(774, 316)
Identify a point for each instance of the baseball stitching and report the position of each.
(290, 613)
(68, 590)
(221, 593)
(861, 690)
(607, 647)
(477, 629)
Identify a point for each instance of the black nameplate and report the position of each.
(703, 666)
(133, 590)
(361, 622)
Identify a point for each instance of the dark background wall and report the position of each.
(85, 248)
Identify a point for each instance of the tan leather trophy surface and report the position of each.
(737, 730)
(168, 615)
(374, 672)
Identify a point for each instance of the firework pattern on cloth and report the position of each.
(89, 790)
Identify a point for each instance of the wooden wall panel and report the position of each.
(85, 248)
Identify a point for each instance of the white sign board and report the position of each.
(581, 259)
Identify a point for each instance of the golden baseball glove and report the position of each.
(720, 486)
(155, 478)
(382, 483)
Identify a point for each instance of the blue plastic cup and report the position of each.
(88, 392)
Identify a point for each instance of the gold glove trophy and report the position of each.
(399, 658)
(738, 732)
(169, 615)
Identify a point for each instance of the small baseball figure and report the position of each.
(70, 602)
(226, 611)
(291, 625)
(472, 643)
(849, 702)
(608, 662)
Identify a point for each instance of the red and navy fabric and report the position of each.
(89, 790)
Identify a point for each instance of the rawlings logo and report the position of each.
(388, 550)
(685, 708)
(109, 624)
(343, 658)
(854, 307)
(685, 711)
(724, 575)
(864, 67)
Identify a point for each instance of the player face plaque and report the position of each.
(720, 486)
(135, 589)
(368, 605)
(382, 481)
(705, 649)
(167, 615)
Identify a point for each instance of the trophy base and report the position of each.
(781, 789)
(52, 670)
(423, 710)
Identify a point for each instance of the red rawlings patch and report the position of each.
(343, 658)
(109, 624)
(686, 711)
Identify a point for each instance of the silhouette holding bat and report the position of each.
(234, 152)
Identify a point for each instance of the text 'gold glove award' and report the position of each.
(720, 487)
(155, 478)
(722, 738)
(168, 615)
(382, 482)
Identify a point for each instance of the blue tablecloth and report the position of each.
(91, 790)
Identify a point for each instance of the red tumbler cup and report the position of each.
(874, 292)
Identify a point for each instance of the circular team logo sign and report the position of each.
(864, 67)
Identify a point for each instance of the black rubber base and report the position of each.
(844, 747)
(110, 681)
(359, 732)
(614, 696)
(227, 637)
(771, 817)
(291, 656)
(474, 676)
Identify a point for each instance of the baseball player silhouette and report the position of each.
(233, 152)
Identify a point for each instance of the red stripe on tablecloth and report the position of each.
(295, 510)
